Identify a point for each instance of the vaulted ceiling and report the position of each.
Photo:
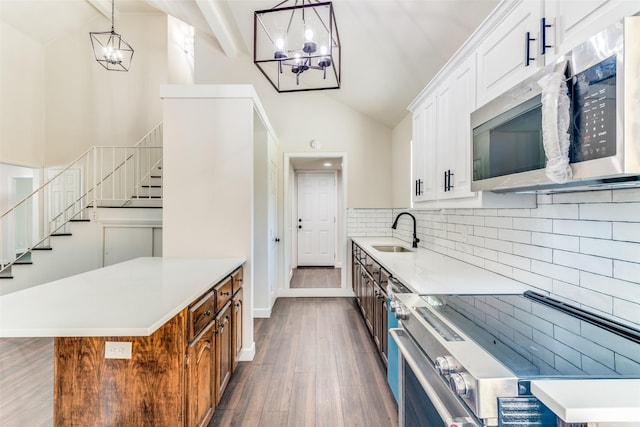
(390, 48)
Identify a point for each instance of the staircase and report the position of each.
(103, 177)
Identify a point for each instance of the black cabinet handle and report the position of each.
(543, 35)
(418, 187)
(527, 48)
(449, 185)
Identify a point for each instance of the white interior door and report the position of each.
(316, 219)
(64, 193)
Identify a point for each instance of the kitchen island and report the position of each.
(134, 343)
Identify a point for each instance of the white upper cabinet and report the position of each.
(509, 53)
(423, 149)
(456, 101)
(575, 21)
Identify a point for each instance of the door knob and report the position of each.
(277, 239)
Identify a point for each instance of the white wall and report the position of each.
(21, 98)
(86, 105)
(180, 51)
(297, 118)
(400, 166)
(208, 187)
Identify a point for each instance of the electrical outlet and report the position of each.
(117, 350)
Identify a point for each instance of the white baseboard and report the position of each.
(248, 354)
(316, 292)
(261, 313)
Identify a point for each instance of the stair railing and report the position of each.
(101, 176)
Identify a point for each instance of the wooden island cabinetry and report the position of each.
(174, 377)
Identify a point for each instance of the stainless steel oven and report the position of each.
(424, 399)
(469, 360)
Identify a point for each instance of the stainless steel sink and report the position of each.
(391, 248)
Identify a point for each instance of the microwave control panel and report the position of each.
(594, 112)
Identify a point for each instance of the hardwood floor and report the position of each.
(315, 365)
(26, 382)
(315, 277)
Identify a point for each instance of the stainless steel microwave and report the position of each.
(602, 78)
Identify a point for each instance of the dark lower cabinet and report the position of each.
(369, 285)
(200, 375)
(223, 350)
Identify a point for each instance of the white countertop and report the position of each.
(427, 272)
(597, 401)
(133, 298)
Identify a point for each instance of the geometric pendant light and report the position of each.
(110, 49)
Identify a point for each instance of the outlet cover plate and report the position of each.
(117, 350)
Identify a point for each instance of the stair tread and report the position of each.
(61, 234)
(151, 186)
(22, 263)
(146, 197)
(42, 248)
(80, 220)
(155, 176)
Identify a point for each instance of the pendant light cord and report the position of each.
(112, 14)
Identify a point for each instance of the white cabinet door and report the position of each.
(464, 86)
(575, 21)
(423, 151)
(502, 55)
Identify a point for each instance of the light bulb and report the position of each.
(323, 50)
(280, 44)
(308, 34)
(297, 57)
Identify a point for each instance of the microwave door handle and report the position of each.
(418, 364)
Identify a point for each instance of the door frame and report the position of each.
(289, 175)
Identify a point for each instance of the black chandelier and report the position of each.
(297, 48)
(110, 49)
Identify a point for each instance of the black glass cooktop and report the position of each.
(535, 336)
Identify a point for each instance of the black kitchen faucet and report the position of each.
(395, 225)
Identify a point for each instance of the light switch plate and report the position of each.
(117, 350)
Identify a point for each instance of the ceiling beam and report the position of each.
(214, 17)
(104, 7)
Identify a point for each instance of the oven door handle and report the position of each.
(450, 409)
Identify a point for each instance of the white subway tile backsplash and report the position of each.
(594, 264)
(624, 251)
(533, 279)
(628, 212)
(582, 248)
(597, 229)
(626, 271)
(535, 252)
(627, 231)
(499, 245)
(556, 211)
(515, 212)
(556, 241)
(486, 232)
(514, 235)
(554, 271)
(627, 195)
(533, 224)
(614, 287)
(583, 197)
(627, 310)
(514, 261)
(587, 297)
(498, 222)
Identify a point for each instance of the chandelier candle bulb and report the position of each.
(309, 45)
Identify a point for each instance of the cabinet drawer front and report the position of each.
(223, 293)
(237, 280)
(200, 314)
